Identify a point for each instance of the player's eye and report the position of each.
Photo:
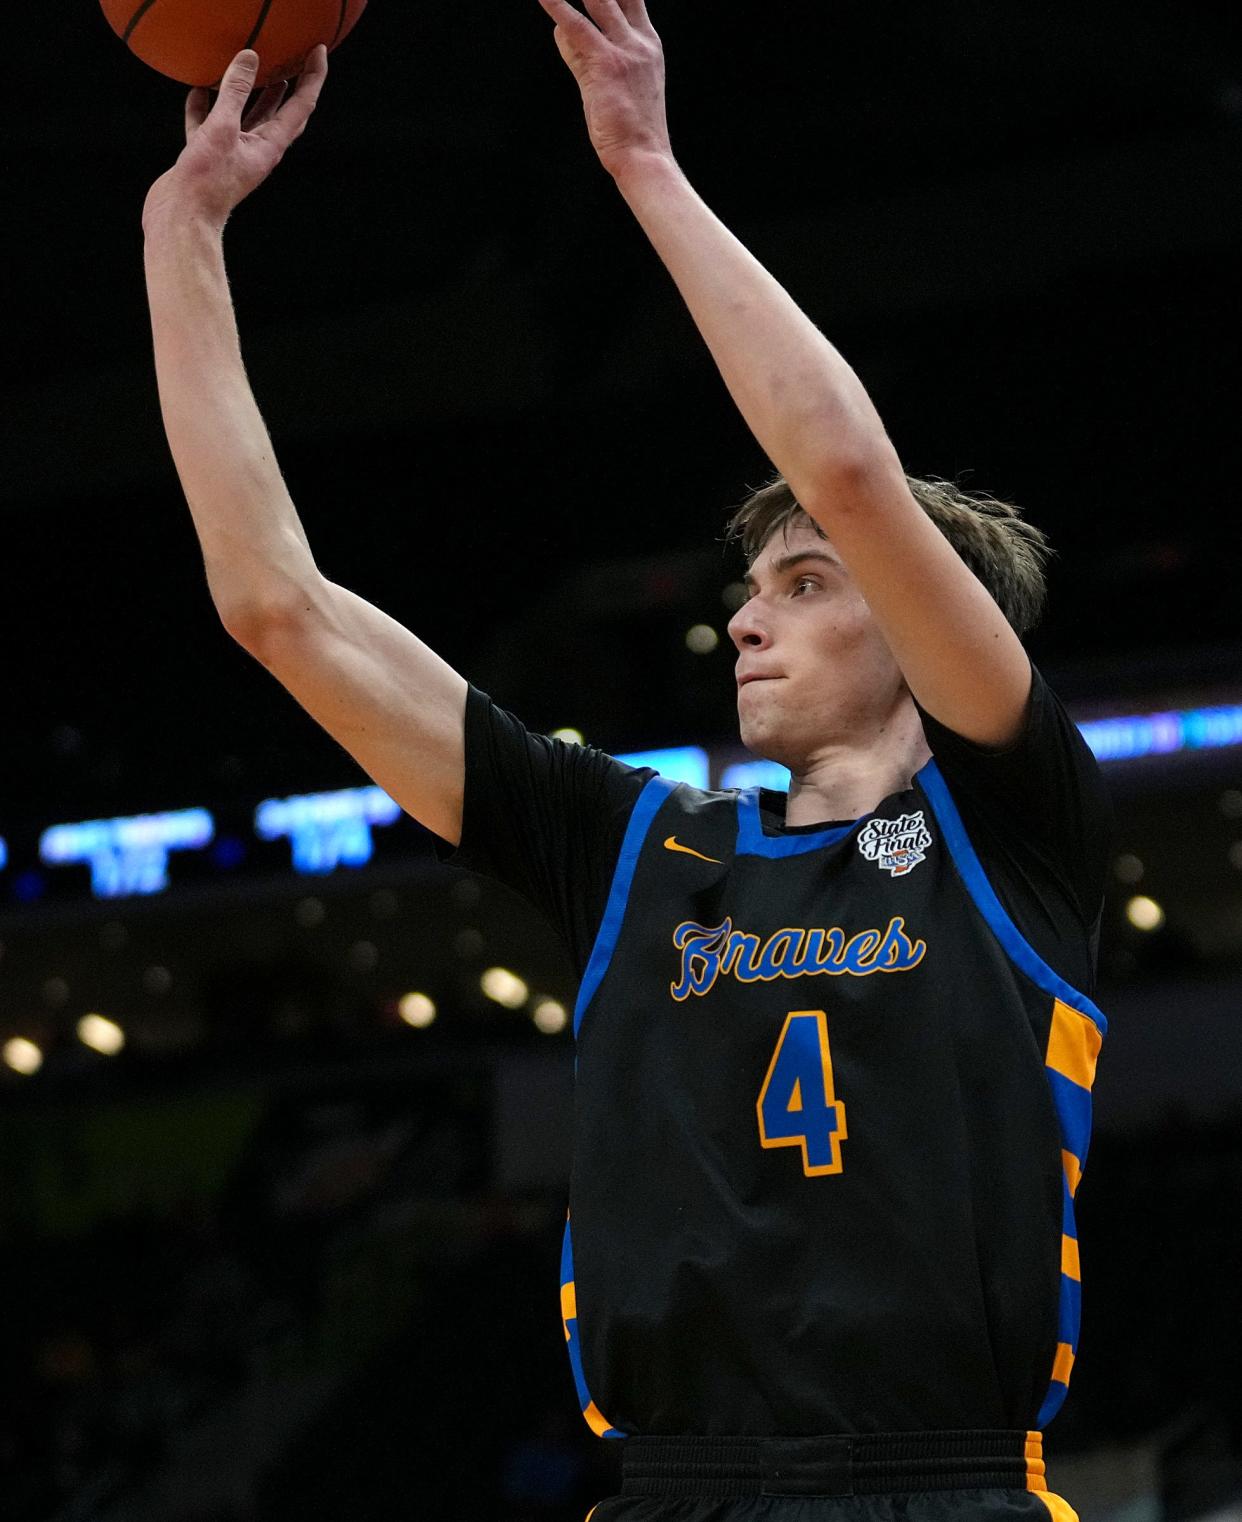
(802, 580)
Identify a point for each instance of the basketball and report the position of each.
(194, 41)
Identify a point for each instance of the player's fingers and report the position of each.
(576, 26)
(265, 107)
(290, 121)
(608, 16)
(197, 105)
(569, 53)
(235, 87)
(636, 14)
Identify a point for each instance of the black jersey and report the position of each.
(831, 1110)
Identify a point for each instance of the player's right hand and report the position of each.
(224, 157)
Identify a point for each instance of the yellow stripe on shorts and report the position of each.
(1060, 1508)
(1034, 1456)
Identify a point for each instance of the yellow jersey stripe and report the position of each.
(596, 1421)
(1073, 1045)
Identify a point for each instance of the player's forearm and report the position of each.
(255, 551)
(802, 401)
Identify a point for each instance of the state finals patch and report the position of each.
(896, 845)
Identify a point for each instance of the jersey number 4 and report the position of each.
(797, 1105)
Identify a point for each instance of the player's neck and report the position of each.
(848, 778)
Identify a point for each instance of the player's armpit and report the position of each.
(956, 649)
(394, 705)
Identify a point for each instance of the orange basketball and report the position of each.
(194, 41)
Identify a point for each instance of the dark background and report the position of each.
(1021, 225)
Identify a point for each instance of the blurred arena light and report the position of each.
(22, 1056)
(701, 639)
(416, 1010)
(1144, 913)
(310, 912)
(157, 980)
(570, 736)
(101, 1034)
(364, 956)
(1128, 868)
(550, 1017)
(468, 942)
(55, 993)
(504, 987)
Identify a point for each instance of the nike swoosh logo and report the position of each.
(671, 845)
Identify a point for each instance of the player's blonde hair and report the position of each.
(1005, 552)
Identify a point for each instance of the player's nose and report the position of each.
(748, 628)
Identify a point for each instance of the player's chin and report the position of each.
(757, 731)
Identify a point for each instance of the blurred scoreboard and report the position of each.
(316, 834)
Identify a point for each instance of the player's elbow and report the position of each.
(854, 480)
(254, 621)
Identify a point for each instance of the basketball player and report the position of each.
(835, 1048)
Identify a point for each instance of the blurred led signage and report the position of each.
(327, 830)
(127, 855)
(1163, 734)
(684, 763)
(770, 774)
(130, 856)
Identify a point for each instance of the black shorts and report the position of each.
(873, 1477)
(909, 1506)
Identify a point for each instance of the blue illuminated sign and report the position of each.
(770, 774)
(327, 829)
(683, 763)
(1163, 734)
(127, 855)
(130, 856)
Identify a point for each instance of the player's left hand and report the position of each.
(617, 58)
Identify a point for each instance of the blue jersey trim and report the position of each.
(1069, 1227)
(1069, 1311)
(643, 812)
(1071, 1101)
(1073, 1106)
(1023, 955)
(751, 841)
(574, 1336)
(1053, 1402)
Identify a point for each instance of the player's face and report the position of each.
(813, 669)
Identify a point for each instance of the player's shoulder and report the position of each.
(654, 792)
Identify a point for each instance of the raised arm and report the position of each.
(389, 700)
(802, 401)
